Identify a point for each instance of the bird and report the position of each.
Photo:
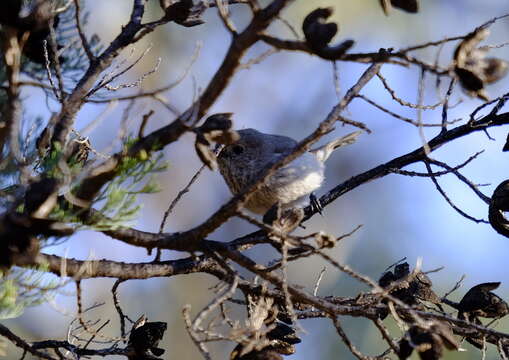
(241, 162)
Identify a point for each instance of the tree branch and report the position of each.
(170, 133)
(410, 158)
(19, 342)
(77, 98)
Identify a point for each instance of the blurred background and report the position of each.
(290, 93)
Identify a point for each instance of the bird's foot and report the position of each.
(315, 204)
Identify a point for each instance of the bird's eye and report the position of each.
(238, 149)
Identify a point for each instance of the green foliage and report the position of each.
(117, 204)
(21, 288)
(49, 164)
(118, 201)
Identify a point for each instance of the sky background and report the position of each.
(289, 94)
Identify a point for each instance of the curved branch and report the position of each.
(182, 241)
(19, 342)
(172, 132)
(406, 59)
(410, 158)
(55, 344)
(77, 98)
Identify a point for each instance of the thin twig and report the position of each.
(144, 122)
(445, 107)
(48, 71)
(403, 102)
(224, 14)
(81, 33)
(19, 342)
(454, 170)
(179, 196)
(456, 286)
(449, 201)
(347, 341)
(121, 315)
(386, 335)
(394, 264)
(397, 116)
(318, 281)
(55, 59)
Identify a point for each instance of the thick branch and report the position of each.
(19, 342)
(406, 59)
(170, 133)
(410, 158)
(77, 98)
(55, 344)
(85, 269)
(11, 120)
(191, 238)
(183, 241)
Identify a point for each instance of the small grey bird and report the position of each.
(240, 164)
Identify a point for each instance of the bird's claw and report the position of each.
(315, 204)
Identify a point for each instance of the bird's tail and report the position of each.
(323, 152)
